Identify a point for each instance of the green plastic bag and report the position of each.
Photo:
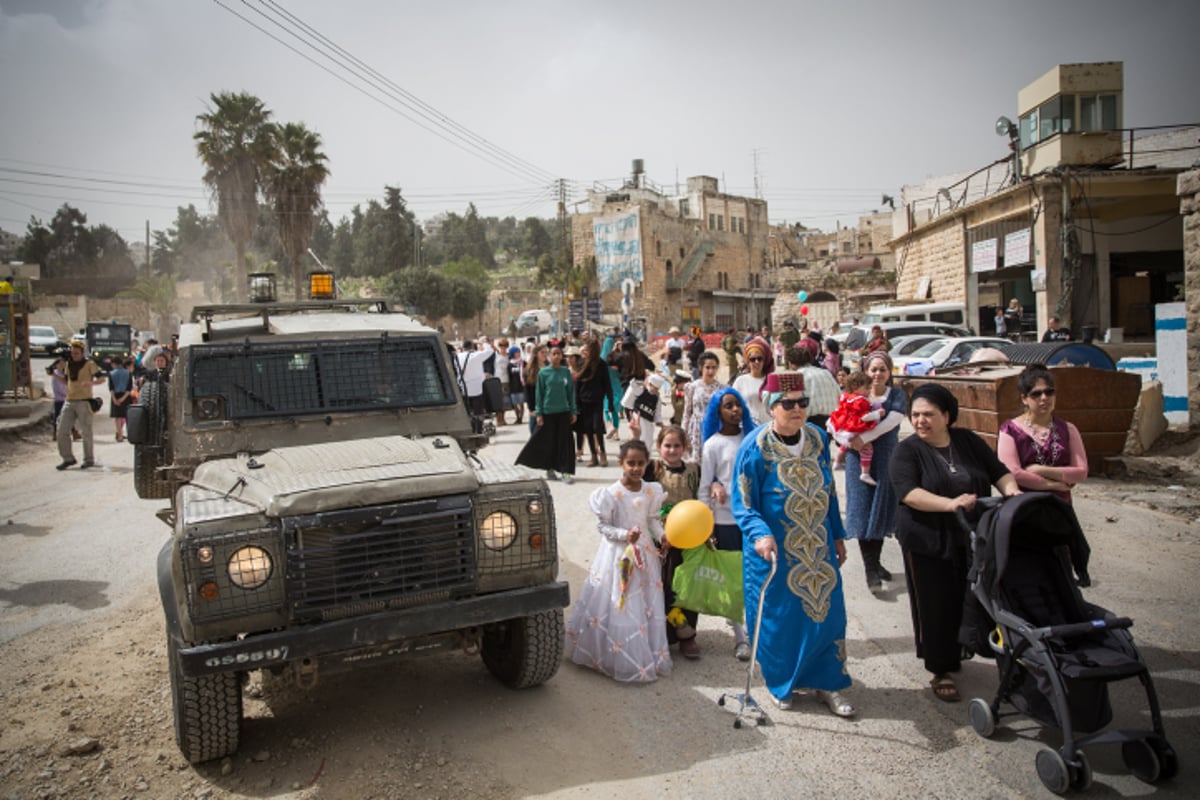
(710, 582)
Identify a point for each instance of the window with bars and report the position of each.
(311, 377)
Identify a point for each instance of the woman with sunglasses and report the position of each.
(1044, 452)
(759, 364)
(785, 506)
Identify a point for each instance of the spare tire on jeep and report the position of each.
(147, 432)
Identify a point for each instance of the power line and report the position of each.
(443, 118)
(457, 141)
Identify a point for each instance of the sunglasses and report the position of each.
(1037, 394)
(755, 359)
(789, 403)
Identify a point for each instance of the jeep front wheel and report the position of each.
(208, 710)
(524, 652)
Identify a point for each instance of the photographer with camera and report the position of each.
(81, 375)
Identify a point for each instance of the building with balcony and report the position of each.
(1080, 221)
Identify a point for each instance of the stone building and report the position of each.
(700, 257)
(1081, 222)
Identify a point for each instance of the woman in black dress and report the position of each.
(937, 472)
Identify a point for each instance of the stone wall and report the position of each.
(936, 251)
(1188, 189)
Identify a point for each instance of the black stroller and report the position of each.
(1056, 652)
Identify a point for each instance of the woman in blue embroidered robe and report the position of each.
(785, 505)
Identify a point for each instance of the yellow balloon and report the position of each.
(689, 524)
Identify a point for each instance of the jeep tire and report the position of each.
(208, 710)
(526, 651)
(147, 458)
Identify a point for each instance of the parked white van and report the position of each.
(533, 322)
(948, 313)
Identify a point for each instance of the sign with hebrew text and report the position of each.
(618, 244)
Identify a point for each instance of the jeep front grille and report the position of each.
(348, 563)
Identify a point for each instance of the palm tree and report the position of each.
(292, 183)
(234, 144)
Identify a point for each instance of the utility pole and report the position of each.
(757, 184)
(148, 249)
(562, 239)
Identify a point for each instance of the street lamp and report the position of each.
(1006, 127)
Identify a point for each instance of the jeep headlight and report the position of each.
(499, 530)
(250, 567)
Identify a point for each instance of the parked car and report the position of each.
(44, 340)
(859, 334)
(905, 345)
(943, 353)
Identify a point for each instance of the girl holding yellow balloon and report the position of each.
(679, 480)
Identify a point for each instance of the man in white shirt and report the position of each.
(470, 364)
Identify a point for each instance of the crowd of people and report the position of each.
(760, 450)
(74, 378)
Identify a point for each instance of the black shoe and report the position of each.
(883, 572)
(70, 462)
(87, 464)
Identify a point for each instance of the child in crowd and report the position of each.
(727, 421)
(644, 400)
(679, 480)
(855, 414)
(618, 626)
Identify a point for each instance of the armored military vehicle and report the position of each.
(329, 509)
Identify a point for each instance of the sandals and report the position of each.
(944, 689)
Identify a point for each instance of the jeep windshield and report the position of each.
(290, 378)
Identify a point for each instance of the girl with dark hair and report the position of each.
(727, 422)
(696, 395)
(591, 388)
(936, 472)
(551, 447)
(1044, 453)
(833, 358)
(618, 625)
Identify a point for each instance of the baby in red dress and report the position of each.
(855, 414)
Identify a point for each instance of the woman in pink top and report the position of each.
(1043, 452)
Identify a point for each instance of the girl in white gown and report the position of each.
(617, 625)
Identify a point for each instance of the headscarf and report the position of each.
(880, 355)
(832, 345)
(939, 396)
(712, 415)
(760, 346)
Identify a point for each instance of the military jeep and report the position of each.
(329, 510)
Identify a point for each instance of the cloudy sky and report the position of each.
(492, 101)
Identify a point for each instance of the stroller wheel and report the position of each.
(1052, 770)
(721, 701)
(737, 723)
(983, 721)
(1168, 761)
(1142, 760)
(1081, 776)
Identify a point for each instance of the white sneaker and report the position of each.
(567, 478)
(867, 479)
(782, 705)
